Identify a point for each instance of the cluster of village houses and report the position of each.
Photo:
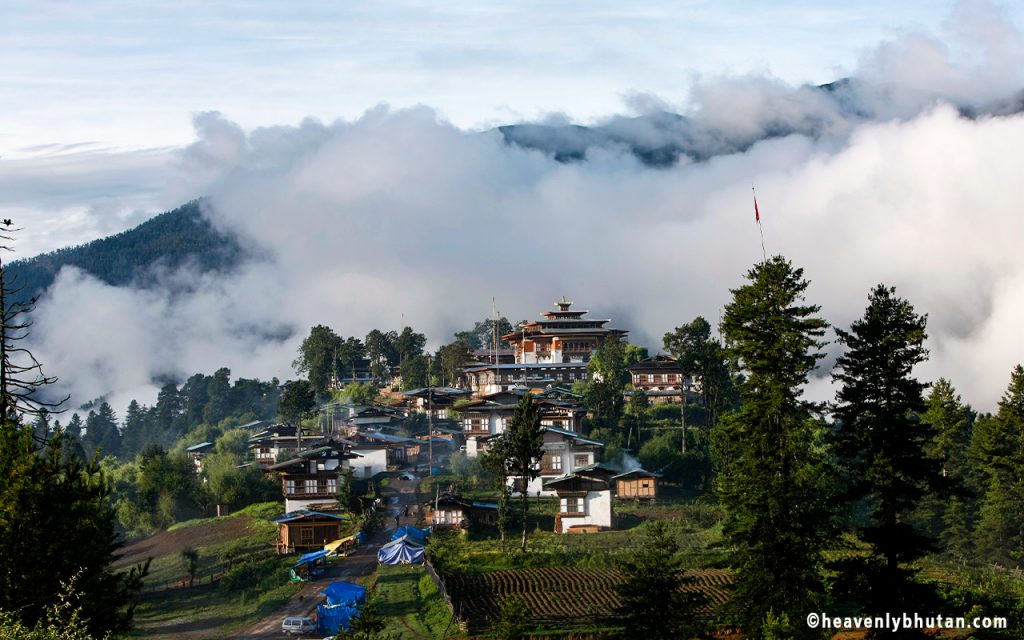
(546, 358)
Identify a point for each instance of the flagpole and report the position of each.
(757, 217)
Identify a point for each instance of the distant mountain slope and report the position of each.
(660, 139)
(169, 240)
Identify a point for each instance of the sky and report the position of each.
(352, 144)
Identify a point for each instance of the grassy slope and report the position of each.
(411, 605)
(199, 611)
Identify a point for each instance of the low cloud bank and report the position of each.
(905, 174)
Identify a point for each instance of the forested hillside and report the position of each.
(168, 240)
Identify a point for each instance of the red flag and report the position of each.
(757, 214)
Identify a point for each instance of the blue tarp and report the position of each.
(401, 551)
(333, 618)
(344, 592)
(408, 539)
(414, 533)
(310, 558)
(344, 600)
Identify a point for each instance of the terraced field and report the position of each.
(556, 597)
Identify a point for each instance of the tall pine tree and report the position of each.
(951, 519)
(653, 603)
(522, 444)
(134, 436)
(101, 432)
(999, 451)
(883, 443)
(773, 480)
(56, 523)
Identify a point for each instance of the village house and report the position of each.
(438, 401)
(452, 511)
(660, 378)
(554, 350)
(373, 457)
(308, 530)
(585, 502)
(637, 484)
(197, 452)
(501, 356)
(312, 477)
(563, 452)
(358, 372)
(399, 450)
(485, 417)
(277, 440)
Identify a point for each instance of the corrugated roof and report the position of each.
(638, 473)
(300, 514)
(573, 434)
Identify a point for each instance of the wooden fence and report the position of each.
(439, 583)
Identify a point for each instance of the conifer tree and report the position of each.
(495, 462)
(883, 443)
(653, 602)
(521, 446)
(56, 522)
(72, 439)
(608, 378)
(772, 482)
(703, 357)
(134, 434)
(951, 519)
(318, 356)
(1000, 532)
(101, 432)
(218, 394)
(166, 416)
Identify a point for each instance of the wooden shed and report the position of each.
(307, 530)
(637, 484)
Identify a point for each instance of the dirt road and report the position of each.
(361, 563)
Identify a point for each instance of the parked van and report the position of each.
(299, 626)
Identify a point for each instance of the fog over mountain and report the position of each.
(907, 172)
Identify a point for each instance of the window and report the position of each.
(553, 462)
(574, 506)
(289, 487)
(311, 486)
(581, 460)
(332, 485)
(664, 377)
(306, 535)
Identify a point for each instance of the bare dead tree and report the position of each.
(21, 374)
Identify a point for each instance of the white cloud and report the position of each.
(402, 212)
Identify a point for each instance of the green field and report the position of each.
(240, 577)
(411, 605)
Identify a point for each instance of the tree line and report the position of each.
(832, 507)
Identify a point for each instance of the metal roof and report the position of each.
(639, 473)
(573, 434)
(300, 514)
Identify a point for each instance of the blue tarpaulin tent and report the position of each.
(405, 550)
(344, 600)
(420, 535)
(342, 592)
